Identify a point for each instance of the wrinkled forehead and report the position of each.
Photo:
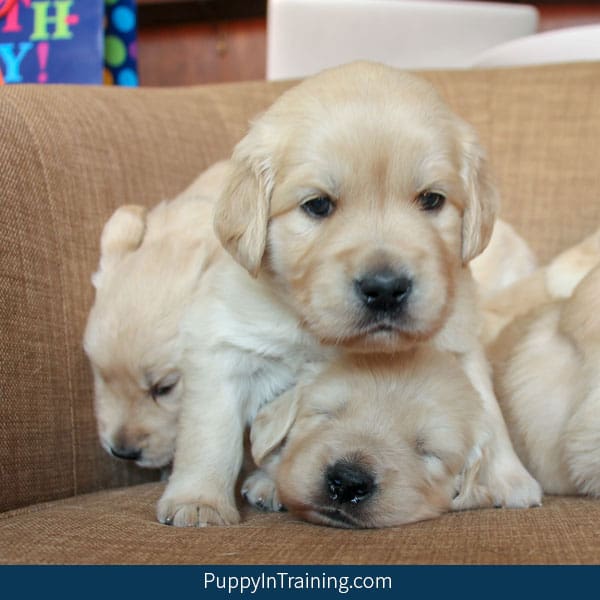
(359, 147)
(341, 393)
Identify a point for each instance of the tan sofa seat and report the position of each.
(70, 155)
(118, 526)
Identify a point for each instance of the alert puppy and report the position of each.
(400, 456)
(354, 205)
(547, 377)
(150, 266)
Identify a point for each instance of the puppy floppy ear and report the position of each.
(272, 425)
(482, 201)
(242, 212)
(123, 233)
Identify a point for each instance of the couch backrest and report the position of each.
(70, 155)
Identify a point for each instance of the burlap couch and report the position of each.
(69, 156)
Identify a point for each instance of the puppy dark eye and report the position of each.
(431, 200)
(159, 390)
(320, 207)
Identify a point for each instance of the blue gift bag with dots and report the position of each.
(68, 41)
(51, 41)
(120, 43)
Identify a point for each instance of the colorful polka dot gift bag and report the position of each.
(51, 41)
(120, 43)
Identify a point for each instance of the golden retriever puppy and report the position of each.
(555, 281)
(372, 441)
(150, 265)
(354, 206)
(506, 260)
(547, 376)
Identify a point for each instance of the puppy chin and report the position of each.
(330, 517)
(155, 462)
(151, 458)
(157, 455)
(385, 336)
(371, 515)
(381, 339)
(307, 506)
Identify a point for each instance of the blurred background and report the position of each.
(185, 42)
(189, 42)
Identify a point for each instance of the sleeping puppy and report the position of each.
(354, 206)
(506, 260)
(150, 265)
(372, 441)
(554, 281)
(547, 378)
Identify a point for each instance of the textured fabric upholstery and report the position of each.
(118, 526)
(70, 155)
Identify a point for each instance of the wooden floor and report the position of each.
(205, 52)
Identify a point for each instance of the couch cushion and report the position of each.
(71, 155)
(118, 527)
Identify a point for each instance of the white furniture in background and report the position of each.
(305, 36)
(557, 46)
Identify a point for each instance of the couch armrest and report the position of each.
(68, 157)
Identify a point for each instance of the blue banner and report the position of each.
(284, 581)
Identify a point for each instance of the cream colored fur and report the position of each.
(150, 265)
(408, 421)
(547, 379)
(506, 260)
(372, 139)
(555, 281)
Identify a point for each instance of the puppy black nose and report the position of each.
(383, 291)
(348, 482)
(126, 453)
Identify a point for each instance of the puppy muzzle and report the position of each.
(383, 292)
(347, 485)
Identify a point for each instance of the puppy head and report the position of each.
(146, 277)
(359, 194)
(369, 447)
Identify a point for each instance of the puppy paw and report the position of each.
(260, 491)
(514, 488)
(195, 513)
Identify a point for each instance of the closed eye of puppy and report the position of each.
(373, 441)
(150, 266)
(546, 372)
(352, 210)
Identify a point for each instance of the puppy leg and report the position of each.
(260, 491)
(208, 456)
(507, 480)
(582, 445)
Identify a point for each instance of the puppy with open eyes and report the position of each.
(353, 208)
(371, 441)
(150, 266)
